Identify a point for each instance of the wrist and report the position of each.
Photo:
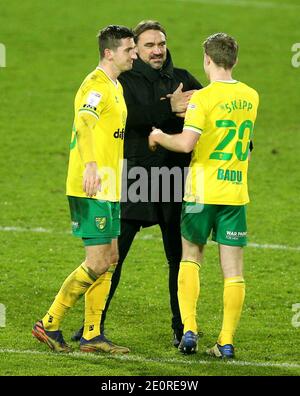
(157, 137)
(91, 164)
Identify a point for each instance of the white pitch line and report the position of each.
(250, 244)
(270, 246)
(23, 229)
(244, 3)
(141, 359)
(144, 237)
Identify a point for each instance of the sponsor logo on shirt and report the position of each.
(94, 99)
(119, 134)
(87, 106)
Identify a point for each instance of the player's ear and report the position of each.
(236, 62)
(108, 54)
(207, 59)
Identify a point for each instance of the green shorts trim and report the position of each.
(97, 222)
(226, 222)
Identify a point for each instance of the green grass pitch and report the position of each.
(50, 47)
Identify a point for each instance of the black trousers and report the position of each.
(171, 236)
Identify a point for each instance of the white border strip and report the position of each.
(146, 237)
(141, 359)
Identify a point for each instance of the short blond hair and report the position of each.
(222, 49)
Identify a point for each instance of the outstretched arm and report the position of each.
(142, 116)
(183, 142)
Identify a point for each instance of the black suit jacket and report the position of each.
(144, 88)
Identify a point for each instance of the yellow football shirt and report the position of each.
(223, 113)
(103, 98)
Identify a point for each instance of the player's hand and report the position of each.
(179, 100)
(91, 179)
(181, 115)
(152, 138)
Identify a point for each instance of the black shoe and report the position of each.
(77, 335)
(177, 335)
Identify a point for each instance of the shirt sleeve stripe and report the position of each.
(193, 128)
(89, 111)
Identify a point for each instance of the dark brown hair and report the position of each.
(111, 36)
(147, 25)
(222, 49)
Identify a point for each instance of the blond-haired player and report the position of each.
(218, 128)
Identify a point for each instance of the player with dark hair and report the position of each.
(94, 192)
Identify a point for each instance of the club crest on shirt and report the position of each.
(100, 222)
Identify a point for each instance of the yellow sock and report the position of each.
(95, 300)
(234, 295)
(76, 284)
(188, 293)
